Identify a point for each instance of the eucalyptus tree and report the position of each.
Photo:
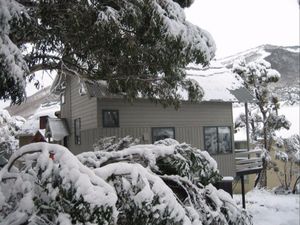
(139, 47)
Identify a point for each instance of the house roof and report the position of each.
(57, 129)
(32, 125)
(218, 83)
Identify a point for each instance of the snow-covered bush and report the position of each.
(114, 144)
(9, 127)
(119, 186)
(163, 157)
(291, 160)
(187, 171)
(53, 187)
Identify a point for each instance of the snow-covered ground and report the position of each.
(270, 209)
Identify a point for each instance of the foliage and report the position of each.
(13, 67)
(114, 144)
(291, 159)
(139, 47)
(53, 187)
(9, 127)
(263, 114)
(182, 159)
(188, 171)
(45, 189)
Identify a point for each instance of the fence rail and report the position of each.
(248, 160)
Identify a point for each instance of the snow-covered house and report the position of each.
(92, 113)
(40, 126)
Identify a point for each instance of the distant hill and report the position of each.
(285, 60)
(33, 103)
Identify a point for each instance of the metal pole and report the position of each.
(247, 125)
(243, 191)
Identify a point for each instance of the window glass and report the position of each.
(62, 98)
(211, 139)
(217, 140)
(77, 127)
(224, 139)
(160, 133)
(110, 118)
(43, 122)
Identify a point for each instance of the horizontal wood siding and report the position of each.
(66, 107)
(144, 113)
(226, 164)
(83, 107)
(138, 119)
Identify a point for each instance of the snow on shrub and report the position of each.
(163, 157)
(289, 157)
(184, 174)
(120, 186)
(53, 186)
(9, 127)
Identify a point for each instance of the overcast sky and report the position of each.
(238, 25)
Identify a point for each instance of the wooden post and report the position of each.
(247, 125)
(243, 191)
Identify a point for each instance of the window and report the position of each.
(110, 118)
(77, 133)
(43, 122)
(217, 140)
(62, 98)
(160, 133)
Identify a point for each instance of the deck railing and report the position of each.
(248, 160)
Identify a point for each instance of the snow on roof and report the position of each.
(57, 129)
(219, 84)
(32, 125)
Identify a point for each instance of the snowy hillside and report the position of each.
(283, 59)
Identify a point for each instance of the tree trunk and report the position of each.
(261, 180)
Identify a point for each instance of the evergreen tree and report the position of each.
(263, 116)
(9, 128)
(139, 47)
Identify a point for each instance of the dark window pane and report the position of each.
(161, 133)
(211, 140)
(77, 127)
(43, 122)
(224, 136)
(110, 118)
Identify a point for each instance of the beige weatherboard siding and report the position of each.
(139, 118)
(83, 107)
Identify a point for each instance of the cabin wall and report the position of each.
(137, 120)
(78, 106)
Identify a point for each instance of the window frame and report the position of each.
(218, 143)
(104, 124)
(77, 134)
(62, 98)
(153, 128)
(43, 120)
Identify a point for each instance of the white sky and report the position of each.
(237, 25)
